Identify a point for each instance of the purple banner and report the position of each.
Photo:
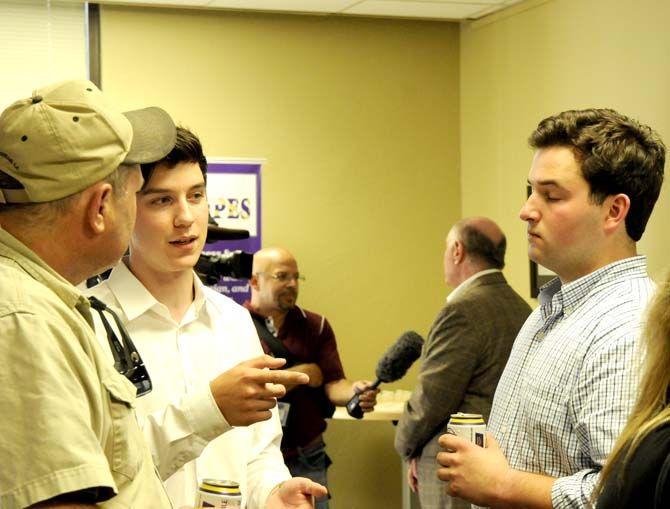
(234, 194)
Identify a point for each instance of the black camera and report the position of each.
(212, 267)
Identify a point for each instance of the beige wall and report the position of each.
(547, 56)
(358, 120)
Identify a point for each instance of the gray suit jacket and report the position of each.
(462, 360)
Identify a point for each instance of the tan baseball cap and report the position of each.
(66, 137)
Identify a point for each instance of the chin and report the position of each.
(534, 253)
(181, 265)
(539, 261)
(109, 262)
(287, 306)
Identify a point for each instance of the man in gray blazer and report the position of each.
(466, 351)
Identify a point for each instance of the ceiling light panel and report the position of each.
(158, 3)
(480, 2)
(446, 10)
(284, 5)
(428, 9)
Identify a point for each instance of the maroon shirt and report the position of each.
(310, 339)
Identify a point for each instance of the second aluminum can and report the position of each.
(468, 426)
(218, 494)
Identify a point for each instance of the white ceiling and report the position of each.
(422, 9)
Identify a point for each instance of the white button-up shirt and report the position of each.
(188, 436)
(569, 384)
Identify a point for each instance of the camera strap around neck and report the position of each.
(274, 343)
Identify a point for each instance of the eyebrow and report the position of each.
(547, 182)
(158, 190)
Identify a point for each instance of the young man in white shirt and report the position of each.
(209, 413)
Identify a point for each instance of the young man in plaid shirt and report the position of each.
(568, 386)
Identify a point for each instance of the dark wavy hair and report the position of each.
(616, 154)
(187, 149)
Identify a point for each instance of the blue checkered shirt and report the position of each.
(569, 384)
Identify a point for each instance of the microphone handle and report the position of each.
(354, 404)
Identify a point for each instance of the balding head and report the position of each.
(274, 284)
(473, 244)
(483, 240)
(485, 226)
(265, 259)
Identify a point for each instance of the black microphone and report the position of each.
(391, 367)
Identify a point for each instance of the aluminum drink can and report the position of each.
(468, 426)
(218, 494)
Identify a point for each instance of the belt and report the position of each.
(297, 451)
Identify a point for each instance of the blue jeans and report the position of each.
(311, 462)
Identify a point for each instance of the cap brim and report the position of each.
(154, 135)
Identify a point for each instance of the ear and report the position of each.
(458, 252)
(254, 282)
(617, 207)
(99, 207)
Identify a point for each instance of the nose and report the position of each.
(184, 214)
(529, 212)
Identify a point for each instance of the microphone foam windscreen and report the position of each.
(399, 357)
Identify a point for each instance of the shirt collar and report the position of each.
(39, 270)
(135, 299)
(295, 313)
(556, 296)
(468, 282)
(198, 293)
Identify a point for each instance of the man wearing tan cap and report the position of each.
(69, 171)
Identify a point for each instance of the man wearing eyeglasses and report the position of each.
(210, 412)
(69, 171)
(306, 340)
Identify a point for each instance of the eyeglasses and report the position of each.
(285, 277)
(127, 360)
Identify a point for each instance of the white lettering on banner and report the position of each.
(221, 289)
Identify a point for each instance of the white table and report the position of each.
(389, 407)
